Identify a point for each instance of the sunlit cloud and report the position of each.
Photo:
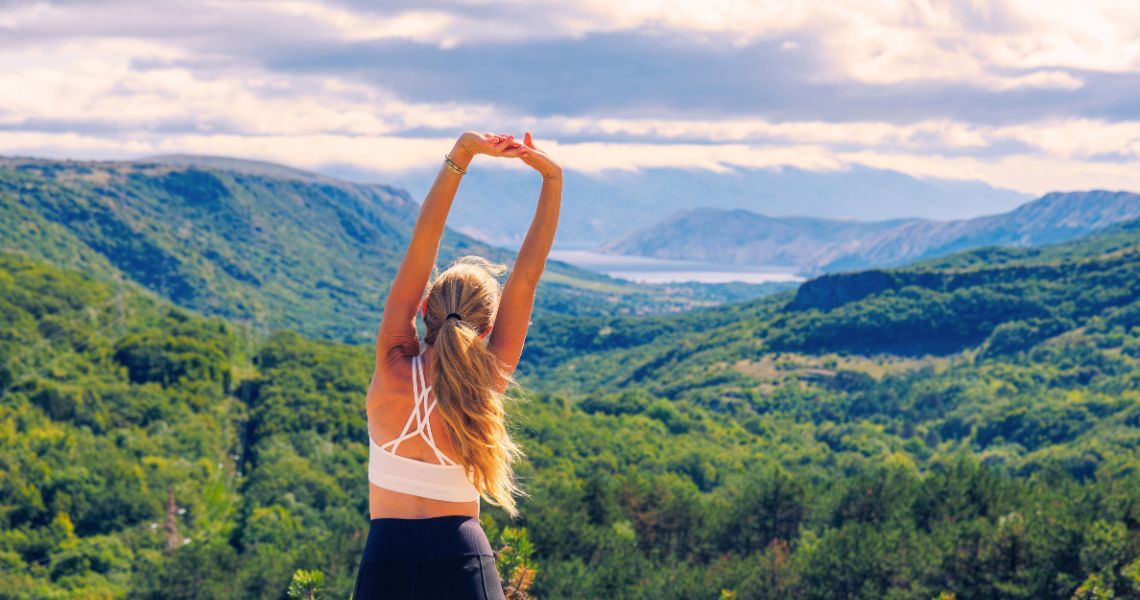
(1031, 96)
(431, 26)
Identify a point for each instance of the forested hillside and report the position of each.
(262, 243)
(967, 428)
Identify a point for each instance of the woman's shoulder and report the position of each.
(397, 352)
(393, 372)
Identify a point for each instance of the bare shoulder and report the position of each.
(394, 355)
(393, 374)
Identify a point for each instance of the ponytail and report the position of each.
(461, 307)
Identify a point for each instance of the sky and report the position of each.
(1034, 96)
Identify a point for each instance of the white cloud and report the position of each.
(599, 156)
(1057, 138)
(1037, 79)
(94, 82)
(886, 42)
(1027, 173)
(938, 133)
(432, 26)
(100, 87)
(1075, 138)
(127, 69)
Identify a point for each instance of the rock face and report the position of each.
(833, 290)
(829, 291)
(821, 245)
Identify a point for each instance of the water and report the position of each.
(658, 270)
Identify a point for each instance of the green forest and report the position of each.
(279, 248)
(967, 427)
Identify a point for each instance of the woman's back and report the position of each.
(391, 407)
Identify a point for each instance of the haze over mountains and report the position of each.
(814, 245)
(496, 204)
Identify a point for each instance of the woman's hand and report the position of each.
(502, 145)
(491, 144)
(538, 160)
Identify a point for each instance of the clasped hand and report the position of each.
(505, 146)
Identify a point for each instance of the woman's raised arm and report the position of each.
(398, 323)
(517, 302)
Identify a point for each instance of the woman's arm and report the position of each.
(517, 301)
(398, 323)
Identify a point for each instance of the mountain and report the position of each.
(606, 205)
(815, 245)
(968, 427)
(742, 237)
(265, 243)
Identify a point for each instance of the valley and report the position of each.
(183, 364)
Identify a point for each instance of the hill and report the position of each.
(264, 243)
(760, 448)
(149, 452)
(820, 245)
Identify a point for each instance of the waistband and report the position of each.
(425, 539)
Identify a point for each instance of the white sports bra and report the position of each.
(444, 481)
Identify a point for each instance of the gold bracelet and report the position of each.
(454, 167)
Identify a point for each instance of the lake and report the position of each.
(658, 270)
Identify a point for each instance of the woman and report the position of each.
(435, 415)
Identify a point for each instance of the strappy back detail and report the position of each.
(421, 415)
(445, 480)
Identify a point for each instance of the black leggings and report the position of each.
(440, 557)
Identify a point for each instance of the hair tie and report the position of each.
(456, 315)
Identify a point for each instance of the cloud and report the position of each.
(1021, 94)
(1028, 173)
(836, 60)
(1023, 34)
(417, 25)
(143, 89)
(1039, 79)
(105, 87)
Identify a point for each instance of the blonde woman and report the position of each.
(437, 438)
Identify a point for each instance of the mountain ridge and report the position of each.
(816, 245)
(261, 242)
(250, 166)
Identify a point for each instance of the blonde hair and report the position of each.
(464, 372)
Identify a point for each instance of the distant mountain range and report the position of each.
(496, 204)
(813, 245)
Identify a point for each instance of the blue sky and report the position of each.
(1033, 96)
